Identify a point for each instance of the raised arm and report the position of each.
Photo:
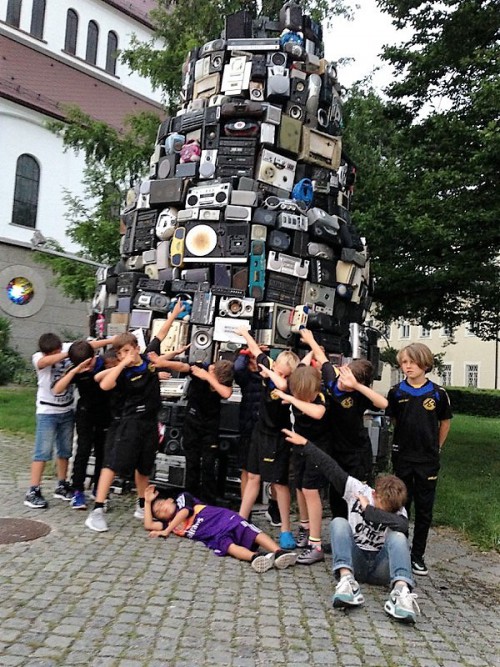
(308, 338)
(314, 410)
(349, 381)
(51, 359)
(162, 333)
(209, 376)
(278, 381)
(63, 383)
(252, 344)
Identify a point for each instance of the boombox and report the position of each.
(213, 241)
(148, 285)
(293, 221)
(170, 471)
(321, 149)
(283, 289)
(319, 297)
(300, 317)
(167, 191)
(139, 234)
(276, 170)
(236, 76)
(292, 266)
(257, 270)
(273, 324)
(152, 301)
(225, 329)
(203, 309)
(236, 307)
(323, 271)
(323, 226)
(211, 214)
(176, 337)
(201, 348)
(127, 283)
(173, 388)
(279, 240)
(213, 195)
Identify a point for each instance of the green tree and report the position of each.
(438, 260)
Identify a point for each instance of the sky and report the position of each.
(361, 39)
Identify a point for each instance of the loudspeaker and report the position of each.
(201, 344)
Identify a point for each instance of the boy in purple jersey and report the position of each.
(220, 529)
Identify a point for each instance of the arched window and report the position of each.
(92, 37)
(71, 32)
(37, 18)
(13, 13)
(111, 52)
(26, 191)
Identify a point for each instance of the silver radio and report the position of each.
(319, 297)
(276, 170)
(215, 195)
(236, 307)
(292, 266)
(165, 223)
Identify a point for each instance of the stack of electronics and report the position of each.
(245, 214)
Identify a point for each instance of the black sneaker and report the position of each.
(35, 500)
(63, 491)
(273, 514)
(418, 566)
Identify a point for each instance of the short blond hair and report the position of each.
(288, 358)
(305, 382)
(124, 339)
(420, 354)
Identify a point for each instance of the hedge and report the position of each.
(480, 402)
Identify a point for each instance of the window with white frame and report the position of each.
(471, 375)
(446, 377)
(447, 332)
(404, 330)
(425, 332)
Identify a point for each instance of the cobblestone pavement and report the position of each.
(119, 599)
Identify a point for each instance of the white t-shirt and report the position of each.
(46, 402)
(368, 536)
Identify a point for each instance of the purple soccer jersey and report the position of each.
(216, 527)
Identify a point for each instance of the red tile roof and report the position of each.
(138, 9)
(42, 82)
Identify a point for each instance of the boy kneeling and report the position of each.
(371, 544)
(220, 529)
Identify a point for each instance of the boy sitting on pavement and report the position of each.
(220, 529)
(370, 545)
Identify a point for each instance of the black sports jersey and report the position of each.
(139, 386)
(92, 397)
(350, 439)
(316, 430)
(417, 412)
(203, 403)
(273, 415)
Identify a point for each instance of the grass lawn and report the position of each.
(17, 409)
(467, 496)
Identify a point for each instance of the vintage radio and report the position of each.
(320, 149)
(292, 266)
(273, 324)
(213, 241)
(320, 297)
(177, 336)
(276, 170)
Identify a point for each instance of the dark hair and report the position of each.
(362, 371)
(49, 342)
(224, 371)
(109, 354)
(305, 382)
(79, 351)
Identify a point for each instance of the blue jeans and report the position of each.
(54, 430)
(392, 563)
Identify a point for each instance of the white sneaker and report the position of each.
(402, 605)
(96, 521)
(263, 563)
(139, 511)
(347, 593)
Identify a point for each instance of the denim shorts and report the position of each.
(54, 431)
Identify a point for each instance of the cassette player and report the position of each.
(276, 170)
(292, 266)
(283, 289)
(213, 241)
(236, 307)
(273, 324)
(319, 297)
(209, 195)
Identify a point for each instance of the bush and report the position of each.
(13, 368)
(480, 402)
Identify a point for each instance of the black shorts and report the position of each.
(307, 474)
(196, 437)
(269, 456)
(244, 451)
(131, 444)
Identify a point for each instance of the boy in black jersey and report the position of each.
(309, 419)
(209, 384)
(421, 412)
(92, 414)
(132, 438)
(349, 397)
(269, 456)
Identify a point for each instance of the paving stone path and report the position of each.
(120, 599)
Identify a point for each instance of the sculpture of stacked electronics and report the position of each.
(245, 214)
